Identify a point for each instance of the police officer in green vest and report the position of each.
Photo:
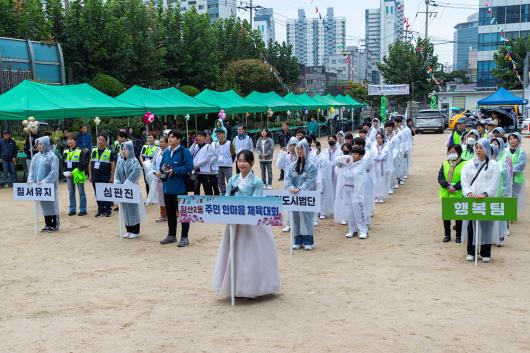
(518, 156)
(74, 158)
(456, 136)
(449, 180)
(147, 154)
(122, 137)
(101, 170)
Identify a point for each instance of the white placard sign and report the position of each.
(118, 193)
(304, 201)
(33, 192)
(388, 90)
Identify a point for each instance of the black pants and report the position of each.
(214, 182)
(485, 250)
(104, 207)
(282, 174)
(133, 229)
(447, 228)
(51, 221)
(172, 205)
(204, 180)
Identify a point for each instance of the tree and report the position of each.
(281, 57)
(7, 10)
(413, 65)
(249, 75)
(55, 15)
(189, 90)
(30, 20)
(236, 40)
(108, 85)
(504, 67)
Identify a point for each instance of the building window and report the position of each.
(489, 41)
(485, 76)
(460, 102)
(525, 13)
(513, 14)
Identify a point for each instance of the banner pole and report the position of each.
(35, 212)
(291, 234)
(231, 256)
(120, 220)
(477, 242)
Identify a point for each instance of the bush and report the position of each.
(189, 90)
(108, 85)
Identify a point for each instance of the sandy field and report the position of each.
(401, 290)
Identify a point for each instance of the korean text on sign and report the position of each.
(304, 201)
(118, 193)
(33, 192)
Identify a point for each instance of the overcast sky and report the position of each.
(440, 27)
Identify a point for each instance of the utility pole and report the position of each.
(249, 7)
(427, 15)
(525, 83)
(251, 14)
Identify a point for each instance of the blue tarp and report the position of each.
(502, 97)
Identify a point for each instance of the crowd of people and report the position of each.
(482, 161)
(351, 175)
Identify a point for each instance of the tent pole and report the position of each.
(187, 134)
(195, 116)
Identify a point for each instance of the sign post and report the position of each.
(34, 192)
(304, 201)
(231, 210)
(119, 193)
(476, 210)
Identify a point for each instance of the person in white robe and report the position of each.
(515, 152)
(256, 271)
(380, 155)
(340, 210)
(156, 193)
(390, 138)
(302, 175)
(480, 179)
(284, 162)
(331, 153)
(505, 181)
(368, 188)
(324, 183)
(340, 138)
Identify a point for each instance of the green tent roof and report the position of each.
(322, 101)
(348, 99)
(165, 101)
(303, 100)
(230, 102)
(272, 101)
(58, 102)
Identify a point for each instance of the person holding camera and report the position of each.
(175, 165)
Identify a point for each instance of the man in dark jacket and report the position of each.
(284, 136)
(8, 157)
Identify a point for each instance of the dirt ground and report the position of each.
(401, 290)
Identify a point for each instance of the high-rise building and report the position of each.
(314, 38)
(392, 17)
(513, 18)
(372, 44)
(465, 41)
(264, 23)
(215, 8)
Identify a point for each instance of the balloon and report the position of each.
(31, 118)
(26, 130)
(24, 123)
(221, 115)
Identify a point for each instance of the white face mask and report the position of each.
(471, 141)
(452, 156)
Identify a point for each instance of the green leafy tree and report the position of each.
(504, 68)
(108, 85)
(55, 15)
(249, 75)
(172, 24)
(30, 20)
(408, 64)
(236, 40)
(189, 90)
(7, 11)
(281, 57)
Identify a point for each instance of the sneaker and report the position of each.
(71, 213)
(363, 235)
(381, 201)
(470, 258)
(308, 247)
(349, 235)
(315, 223)
(269, 187)
(286, 229)
(98, 214)
(45, 229)
(343, 223)
(161, 219)
(108, 214)
(396, 187)
(401, 182)
(406, 177)
(500, 244)
(133, 235)
(125, 235)
(168, 240)
(296, 247)
(458, 240)
(183, 242)
(391, 192)
(82, 213)
(322, 216)
(446, 238)
(52, 229)
(486, 259)
(116, 208)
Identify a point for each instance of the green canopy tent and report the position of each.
(303, 100)
(229, 101)
(273, 101)
(49, 102)
(168, 101)
(353, 102)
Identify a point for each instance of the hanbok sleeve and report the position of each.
(258, 187)
(53, 175)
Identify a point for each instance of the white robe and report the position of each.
(325, 184)
(380, 154)
(369, 200)
(355, 178)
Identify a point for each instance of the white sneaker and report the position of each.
(343, 223)
(286, 229)
(349, 235)
(396, 187)
(315, 223)
(322, 216)
(391, 192)
(381, 201)
(296, 247)
(269, 187)
(125, 235)
(401, 182)
(486, 259)
(470, 258)
(500, 244)
(363, 235)
(308, 247)
(507, 233)
(133, 235)
(406, 177)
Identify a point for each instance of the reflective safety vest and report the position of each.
(518, 177)
(149, 151)
(103, 158)
(456, 179)
(72, 156)
(467, 155)
(457, 138)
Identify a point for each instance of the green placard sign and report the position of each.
(488, 209)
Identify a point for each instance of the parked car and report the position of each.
(429, 120)
(525, 127)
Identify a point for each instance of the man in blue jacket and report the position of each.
(176, 163)
(8, 157)
(84, 139)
